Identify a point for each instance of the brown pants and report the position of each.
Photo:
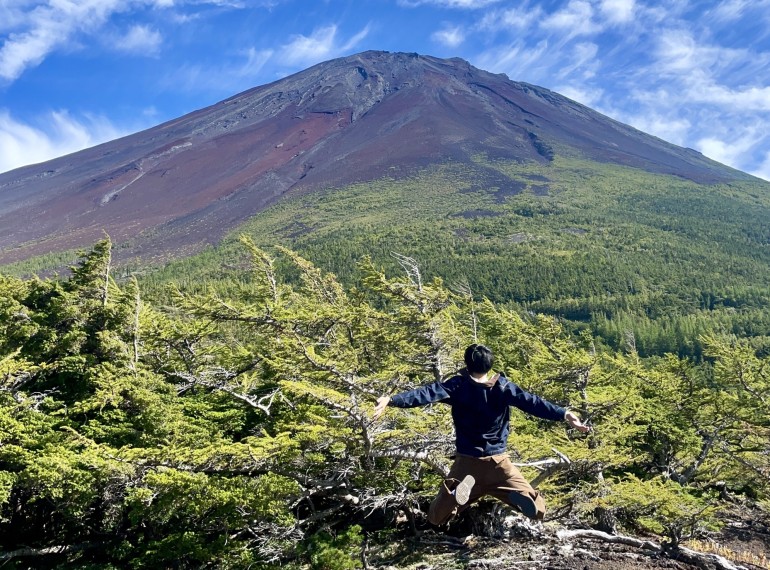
(495, 476)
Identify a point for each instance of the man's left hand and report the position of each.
(575, 422)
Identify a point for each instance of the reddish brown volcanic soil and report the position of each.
(182, 184)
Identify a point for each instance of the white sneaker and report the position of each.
(463, 490)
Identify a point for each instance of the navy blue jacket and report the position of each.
(481, 413)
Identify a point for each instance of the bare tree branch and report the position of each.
(413, 455)
(677, 552)
(411, 267)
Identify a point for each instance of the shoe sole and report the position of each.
(463, 489)
(525, 504)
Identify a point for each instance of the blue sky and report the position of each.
(74, 73)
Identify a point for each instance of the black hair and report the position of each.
(478, 359)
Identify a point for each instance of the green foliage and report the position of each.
(225, 427)
(660, 506)
(335, 552)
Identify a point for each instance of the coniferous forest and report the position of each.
(218, 411)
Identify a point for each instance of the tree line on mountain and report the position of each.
(233, 428)
(612, 250)
(609, 249)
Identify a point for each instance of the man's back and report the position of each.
(480, 409)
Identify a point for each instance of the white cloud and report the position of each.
(665, 68)
(618, 11)
(226, 78)
(47, 27)
(668, 127)
(313, 48)
(730, 151)
(714, 74)
(24, 50)
(677, 52)
(140, 40)
(586, 96)
(22, 144)
(255, 61)
(519, 61)
(318, 46)
(36, 29)
(583, 62)
(576, 19)
(729, 11)
(520, 18)
(749, 99)
(12, 14)
(463, 4)
(450, 36)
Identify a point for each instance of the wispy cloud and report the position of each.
(701, 68)
(141, 40)
(576, 19)
(724, 93)
(676, 52)
(22, 143)
(255, 61)
(229, 75)
(582, 62)
(34, 30)
(449, 36)
(729, 11)
(617, 11)
(322, 44)
(730, 150)
(28, 48)
(587, 97)
(520, 60)
(662, 123)
(463, 4)
(243, 69)
(520, 18)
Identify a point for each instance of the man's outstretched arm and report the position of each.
(537, 406)
(422, 396)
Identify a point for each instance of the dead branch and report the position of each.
(411, 267)
(220, 383)
(502, 563)
(48, 551)
(566, 535)
(699, 559)
(413, 455)
(547, 467)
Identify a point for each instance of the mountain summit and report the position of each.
(182, 184)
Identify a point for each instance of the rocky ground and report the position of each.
(743, 544)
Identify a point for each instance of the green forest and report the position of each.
(218, 414)
(625, 254)
(612, 250)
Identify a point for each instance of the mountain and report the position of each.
(173, 188)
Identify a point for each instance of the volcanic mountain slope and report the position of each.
(186, 182)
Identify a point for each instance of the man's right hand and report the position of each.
(379, 409)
